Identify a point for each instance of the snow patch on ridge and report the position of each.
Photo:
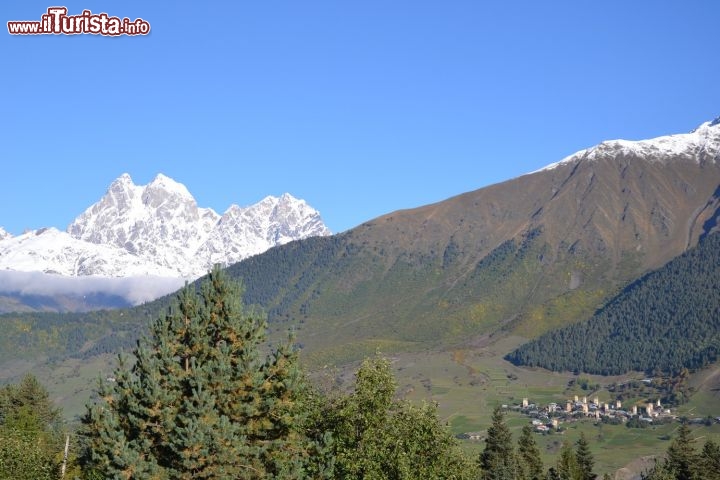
(705, 138)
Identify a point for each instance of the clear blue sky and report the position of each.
(359, 107)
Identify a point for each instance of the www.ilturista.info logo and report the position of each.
(57, 21)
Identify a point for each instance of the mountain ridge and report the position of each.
(158, 229)
(690, 144)
(524, 255)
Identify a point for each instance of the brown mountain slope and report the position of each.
(528, 254)
(610, 206)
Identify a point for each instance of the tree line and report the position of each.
(665, 321)
(683, 461)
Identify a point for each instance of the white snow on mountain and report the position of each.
(703, 140)
(160, 223)
(4, 234)
(49, 250)
(243, 232)
(159, 230)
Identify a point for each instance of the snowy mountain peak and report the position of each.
(4, 234)
(122, 184)
(704, 141)
(246, 231)
(167, 184)
(49, 250)
(124, 178)
(708, 127)
(158, 229)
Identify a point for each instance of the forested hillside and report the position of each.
(668, 320)
(55, 336)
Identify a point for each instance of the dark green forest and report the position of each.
(267, 276)
(665, 321)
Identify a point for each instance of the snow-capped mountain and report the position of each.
(242, 232)
(158, 229)
(703, 142)
(49, 250)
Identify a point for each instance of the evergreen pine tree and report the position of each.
(552, 474)
(529, 459)
(585, 459)
(660, 471)
(201, 402)
(498, 460)
(567, 466)
(30, 436)
(681, 456)
(709, 463)
(30, 394)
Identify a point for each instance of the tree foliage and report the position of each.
(683, 462)
(667, 320)
(201, 401)
(530, 463)
(681, 456)
(709, 461)
(498, 460)
(30, 432)
(378, 437)
(567, 466)
(585, 459)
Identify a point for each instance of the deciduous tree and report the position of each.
(378, 437)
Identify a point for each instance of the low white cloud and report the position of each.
(135, 290)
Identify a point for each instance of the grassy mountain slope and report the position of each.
(668, 319)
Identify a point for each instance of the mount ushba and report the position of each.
(158, 229)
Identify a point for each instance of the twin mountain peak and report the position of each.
(158, 229)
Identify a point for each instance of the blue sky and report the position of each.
(359, 107)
